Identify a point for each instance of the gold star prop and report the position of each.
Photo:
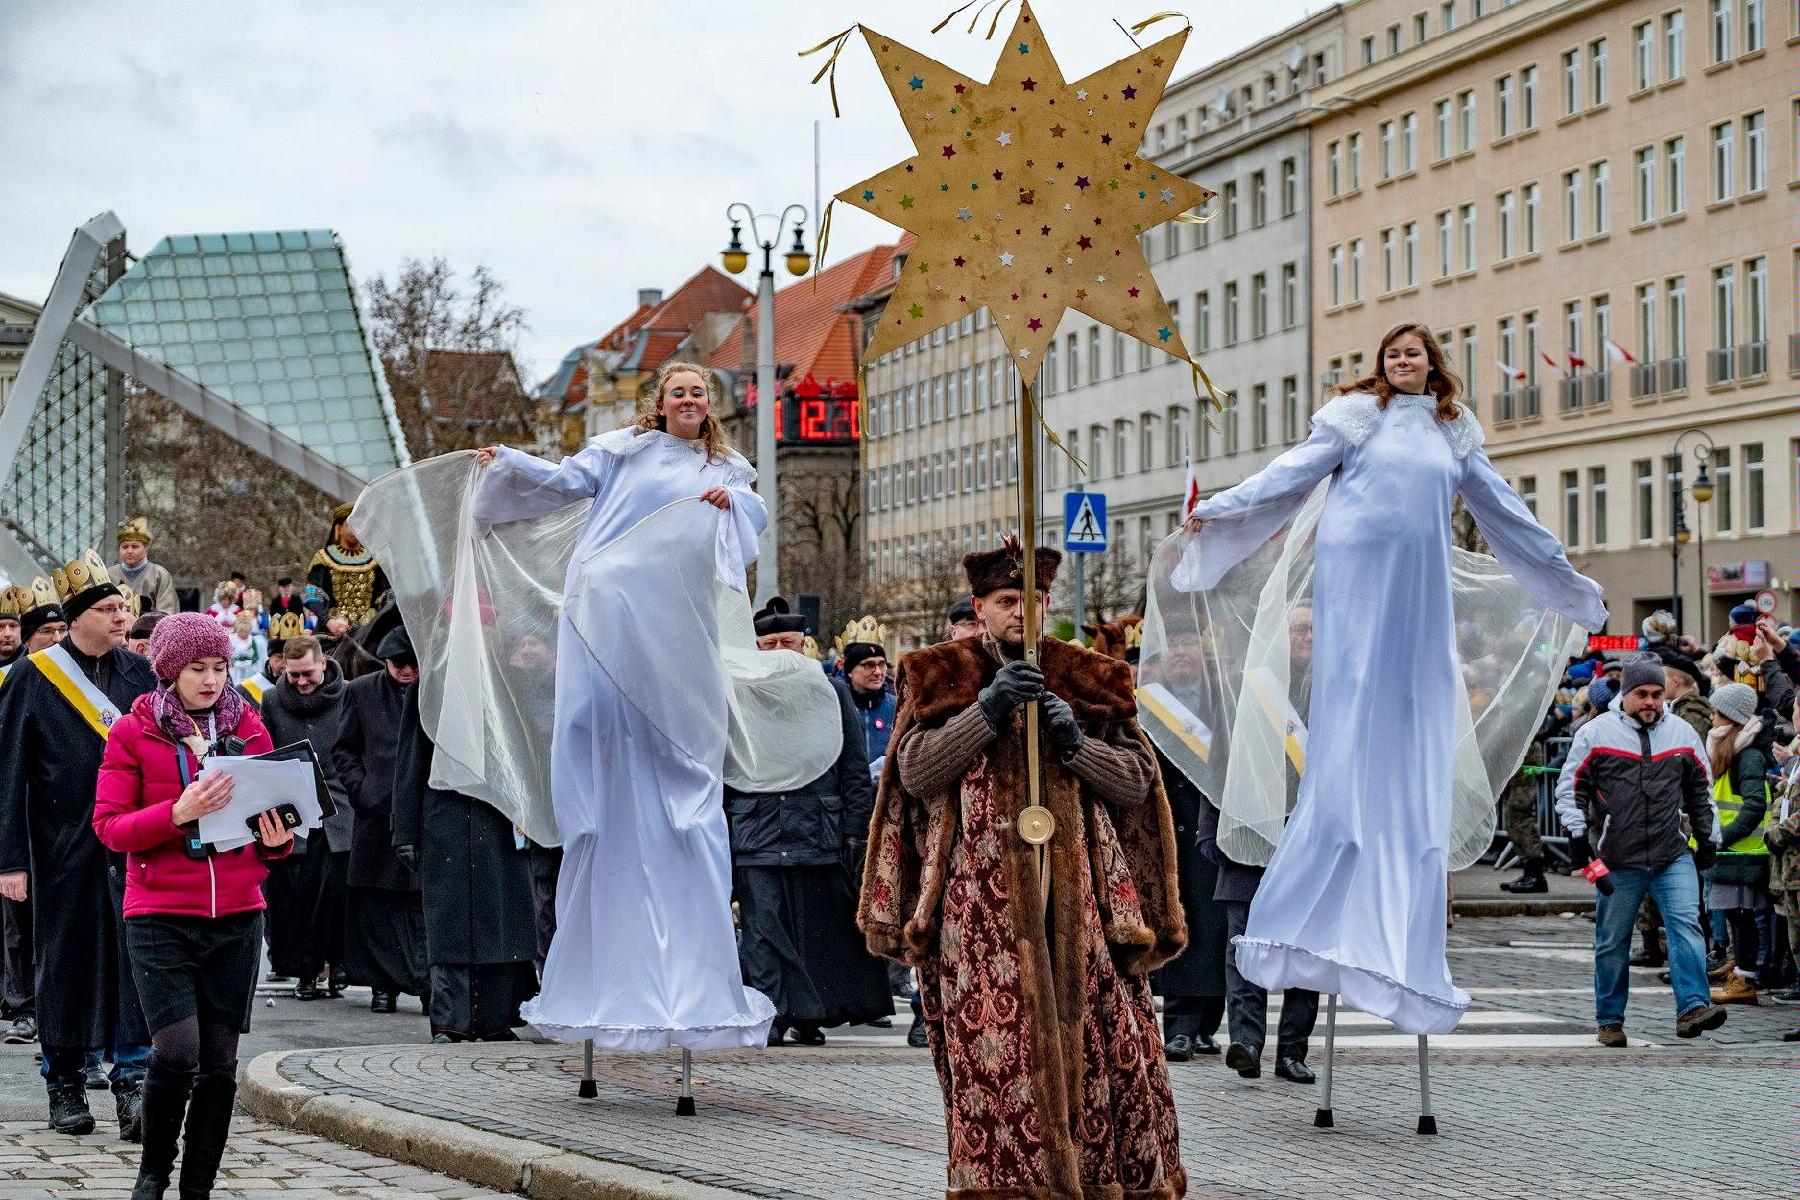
(1027, 194)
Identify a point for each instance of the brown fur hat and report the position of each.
(1004, 567)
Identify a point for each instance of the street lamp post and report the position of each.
(1702, 490)
(736, 258)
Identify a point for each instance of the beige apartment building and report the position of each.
(1597, 206)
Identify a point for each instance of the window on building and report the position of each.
(1093, 351)
(1644, 481)
(1203, 438)
(1643, 56)
(1202, 322)
(1335, 270)
(1290, 295)
(1290, 187)
(1528, 493)
(1675, 289)
(1466, 221)
(1447, 15)
(1466, 348)
(1445, 244)
(1598, 76)
(1528, 97)
(1505, 225)
(1368, 50)
(1756, 158)
(1409, 141)
(1531, 205)
(1047, 380)
(1503, 106)
(1722, 160)
(1720, 29)
(1334, 169)
(1229, 420)
(1599, 191)
(1645, 307)
(1171, 240)
(1356, 269)
(1072, 370)
(1724, 281)
(1259, 305)
(1229, 202)
(1643, 184)
(1721, 501)
(1230, 315)
(1571, 493)
(1121, 441)
(1418, 28)
(1290, 410)
(1756, 313)
(1118, 354)
(1440, 131)
(1753, 26)
(1259, 416)
(1384, 150)
(1571, 82)
(1753, 488)
(1674, 42)
(1675, 173)
(1259, 200)
(1409, 254)
(1146, 441)
(1175, 436)
(1571, 189)
(1354, 152)
(1597, 506)
(1393, 40)
(1465, 121)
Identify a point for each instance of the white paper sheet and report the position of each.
(259, 784)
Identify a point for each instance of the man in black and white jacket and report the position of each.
(1632, 774)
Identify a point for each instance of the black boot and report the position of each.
(208, 1125)
(128, 1100)
(1531, 880)
(383, 1002)
(165, 1103)
(69, 1109)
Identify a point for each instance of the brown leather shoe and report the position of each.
(1723, 971)
(1737, 990)
(1611, 1036)
(1698, 1019)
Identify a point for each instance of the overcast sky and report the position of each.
(581, 150)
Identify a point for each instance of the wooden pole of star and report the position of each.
(1028, 518)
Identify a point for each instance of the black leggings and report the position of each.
(1746, 942)
(189, 1046)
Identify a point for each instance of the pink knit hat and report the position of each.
(181, 638)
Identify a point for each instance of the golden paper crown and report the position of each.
(14, 601)
(811, 648)
(135, 604)
(42, 592)
(77, 577)
(342, 512)
(287, 625)
(1134, 635)
(863, 629)
(135, 530)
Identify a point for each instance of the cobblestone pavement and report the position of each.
(1527, 1102)
(261, 1162)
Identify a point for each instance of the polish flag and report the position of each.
(1512, 373)
(1553, 364)
(1576, 362)
(1190, 495)
(1618, 353)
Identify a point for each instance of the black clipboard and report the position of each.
(303, 750)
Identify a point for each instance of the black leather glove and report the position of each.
(1060, 724)
(1016, 683)
(1705, 855)
(1209, 850)
(408, 856)
(1581, 848)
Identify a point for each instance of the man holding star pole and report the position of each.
(1021, 854)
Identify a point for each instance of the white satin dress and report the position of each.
(1353, 900)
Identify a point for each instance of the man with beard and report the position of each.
(385, 945)
(475, 882)
(348, 577)
(1033, 955)
(1246, 1004)
(307, 705)
(1192, 985)
(56, 710)
(13, 603)
(151, 584)
(532, 669)
(790, 856)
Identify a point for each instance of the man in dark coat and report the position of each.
(866, 671)
(480, 934)
(385, 944)
(308, 705)
(790, 856)
(1192, 984)
(56, 710)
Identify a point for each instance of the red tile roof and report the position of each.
(650, 335)
(474, 385)
(812, 331)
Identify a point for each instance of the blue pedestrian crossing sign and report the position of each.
(1084, 522)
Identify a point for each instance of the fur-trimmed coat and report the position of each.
(1041, 1024)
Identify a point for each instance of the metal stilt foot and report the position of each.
(684, 1105)
(1427, 1122)
(1322, 1119)
(588, 1089)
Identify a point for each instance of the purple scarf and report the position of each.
(164, 707)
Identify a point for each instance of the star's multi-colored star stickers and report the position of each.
(1027, 195)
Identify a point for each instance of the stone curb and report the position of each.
(451, 1148)
(1541, 906)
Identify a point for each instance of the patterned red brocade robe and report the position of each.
(1042, 1027)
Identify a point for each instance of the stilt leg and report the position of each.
(684, 1106)
(1427, 1122)
(1323, 1118)
(587, 1090)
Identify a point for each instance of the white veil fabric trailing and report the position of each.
(483, 604)
(1224, 689)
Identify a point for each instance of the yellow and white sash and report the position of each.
(1280, 711)
(83, 696)
(256, 685)
(1159, 703)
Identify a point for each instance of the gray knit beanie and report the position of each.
(1736, 702)
(1646, 668)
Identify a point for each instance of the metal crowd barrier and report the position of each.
(1550, 829)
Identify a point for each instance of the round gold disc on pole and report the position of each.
(1036, 824)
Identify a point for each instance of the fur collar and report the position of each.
(1358, 414)
(944, 679)
(623, 443)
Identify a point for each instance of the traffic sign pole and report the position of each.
(1080, 579)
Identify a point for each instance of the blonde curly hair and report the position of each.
(712, 433)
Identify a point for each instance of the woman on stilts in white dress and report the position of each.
(1354, 899)
(644, 956)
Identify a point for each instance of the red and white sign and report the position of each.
(1765, 602)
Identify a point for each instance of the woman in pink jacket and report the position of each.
(193, 921)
